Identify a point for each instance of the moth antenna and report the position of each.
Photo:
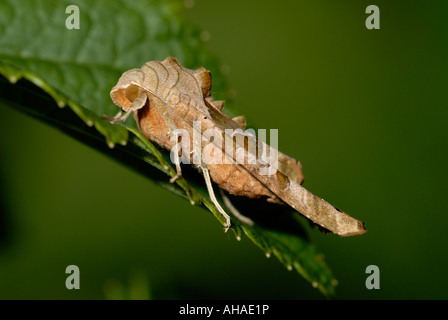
(211, 193)
(235, 211)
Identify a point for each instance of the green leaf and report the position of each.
(63, 77)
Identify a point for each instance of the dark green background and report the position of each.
(365, 112)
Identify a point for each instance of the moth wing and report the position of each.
(218, 105)
(291, 168)
(283, 180)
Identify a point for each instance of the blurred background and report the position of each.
(364, 110)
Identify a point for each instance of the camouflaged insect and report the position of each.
(166, 97)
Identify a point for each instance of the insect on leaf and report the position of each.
(170, 102)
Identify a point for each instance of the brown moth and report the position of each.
(171, 104)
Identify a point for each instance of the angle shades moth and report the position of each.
(168, 101)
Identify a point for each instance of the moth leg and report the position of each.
(167, 115)
(235, 211)
(208, 182)
(114, 118)
(176, 162)
(178, 172)
(137, 104)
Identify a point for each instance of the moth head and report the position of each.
(127, 89)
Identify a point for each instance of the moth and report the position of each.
(171, 103)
